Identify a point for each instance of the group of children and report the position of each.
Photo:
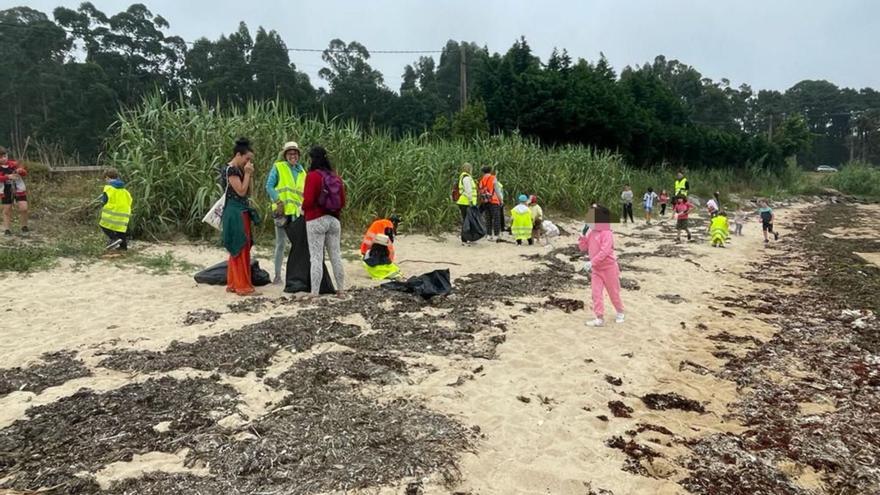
(650, 201)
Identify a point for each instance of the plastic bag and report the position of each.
(472, 228)
(426, 286)
(216, 275)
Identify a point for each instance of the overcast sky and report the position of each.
(769, 44)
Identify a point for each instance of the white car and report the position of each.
(825, 168)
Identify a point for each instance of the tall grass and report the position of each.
(168, 153)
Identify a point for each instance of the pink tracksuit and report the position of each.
(605, 275)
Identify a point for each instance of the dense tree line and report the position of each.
(67, 76)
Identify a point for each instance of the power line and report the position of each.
(192, 43)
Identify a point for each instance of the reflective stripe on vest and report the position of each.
(462, 199)
(521, 226)
(680, 187)
(290, 191)
(117, 211)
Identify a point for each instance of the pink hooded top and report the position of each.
(599, 244)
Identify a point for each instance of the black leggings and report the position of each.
(628, 210)
(113, 235)
(493, 219)
(662, 208)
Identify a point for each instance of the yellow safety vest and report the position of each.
(462, 199)
(521, 226)
(117, 212)
(680, 187)
(719, 229)
(290, 191)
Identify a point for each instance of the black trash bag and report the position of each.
(472, 227)
(216, 275)
(427, 285)
(298, 276)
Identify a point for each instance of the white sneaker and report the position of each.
(620, 318)
(114, 244)
(598, 322)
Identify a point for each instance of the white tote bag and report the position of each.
(214, 217)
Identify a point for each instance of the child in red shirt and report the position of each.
(680, 210)
(12, 191)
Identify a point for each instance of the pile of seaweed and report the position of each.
(56, 368)
(825, 414)
(330, 432)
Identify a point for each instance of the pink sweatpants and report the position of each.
(606, 278)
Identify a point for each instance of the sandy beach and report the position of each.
(534, 394)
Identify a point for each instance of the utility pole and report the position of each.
(463, 96)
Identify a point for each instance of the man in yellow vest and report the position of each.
(681, 185)
(116, 211)
(285, 185)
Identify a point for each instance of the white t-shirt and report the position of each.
(712, 205)
(649, 199)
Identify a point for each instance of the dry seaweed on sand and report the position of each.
(88, 430)
(567, 305)
(613, 380)
(56, 368)
(672, 298)
(327, 369)
(719, 464)
(336, 440)
(252, 304)
(817, 334)
(619, 409)
(200, 316)
(728, 337)
(636, 454)
(629, 284)
(672, 401)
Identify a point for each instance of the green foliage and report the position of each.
(470, 122)
(168, 155)
(24, 259)
(161, 264)
(857, 178)
(663, 111)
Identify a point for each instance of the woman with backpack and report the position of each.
(323, 200)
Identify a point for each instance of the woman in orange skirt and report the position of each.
(238, 217)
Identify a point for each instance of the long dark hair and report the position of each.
(242, 146)
(318, 159)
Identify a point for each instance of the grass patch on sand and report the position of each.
(26, 259)
(161, 264)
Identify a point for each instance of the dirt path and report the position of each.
(492, 390)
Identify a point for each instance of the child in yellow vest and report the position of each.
(116, 210)
(719, 229)
(521, 225)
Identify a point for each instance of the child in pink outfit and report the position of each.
(599, 244)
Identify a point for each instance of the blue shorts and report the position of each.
(649, 209)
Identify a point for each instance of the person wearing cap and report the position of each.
(377, 249)
(285, 185)
(521, 224)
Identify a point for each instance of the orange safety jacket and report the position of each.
(376, 228)
(487, 189)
